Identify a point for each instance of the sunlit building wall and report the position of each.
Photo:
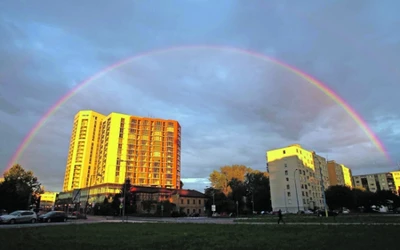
(47, 199)
(82, 150)
(396, 180)
(292, 167)
(347, 176)
(145, 150)
(378, 181)
(339, 174)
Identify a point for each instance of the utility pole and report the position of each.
(284, 195)
(124, 190)
(124, 202)
(237, 208)
(252, 199)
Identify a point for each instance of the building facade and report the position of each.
(339, 174)
(109, 149)
(297, 178)
(82, 154)
(148, 199)
(378, 181)
(48, 199)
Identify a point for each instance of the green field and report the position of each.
(315, 219)
(199, 236)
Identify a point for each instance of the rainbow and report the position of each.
(318, 84)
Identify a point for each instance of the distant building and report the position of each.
(47, 199)
(339, 174)
(378, 181)
(186, 200)
(295, 178)
(109, 149)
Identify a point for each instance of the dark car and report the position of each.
(53, 216)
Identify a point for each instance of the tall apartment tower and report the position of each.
(296, 178)
(145, 150)
(379, 181)
(339, 174)
(82, 153)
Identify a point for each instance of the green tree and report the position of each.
(219, 199)
(238, 192)
(129, 199)
(258, 191)
(220, 179)
(20, 189)
(165, 208)
(386, 198)
(147, 205)
(339, 196)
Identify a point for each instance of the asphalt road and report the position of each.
(196, 220)
(201, 220)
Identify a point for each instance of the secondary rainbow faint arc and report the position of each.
(321, 86)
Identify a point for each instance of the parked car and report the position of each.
(53, 216)
(20, 216)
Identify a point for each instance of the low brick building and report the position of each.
(185, 200)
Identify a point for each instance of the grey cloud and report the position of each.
(231, 107)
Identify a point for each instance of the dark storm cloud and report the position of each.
(231, 107)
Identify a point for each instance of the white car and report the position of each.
(20, 216)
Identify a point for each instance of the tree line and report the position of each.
(361, 200)
(233, 189)
(20, 189)
(238, 188)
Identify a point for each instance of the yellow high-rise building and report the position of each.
(339, 174)
(83, 147)
(295, 178)
(145, 150)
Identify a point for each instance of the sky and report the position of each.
(231, 105)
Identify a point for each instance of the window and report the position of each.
(284, 151)
(181, 201)
(287, 186)
(288, 194)
(199, 202)
(286, 172)
(287, 179)
(285, 165)
(194, 202)
(199, 211)
(188, 201)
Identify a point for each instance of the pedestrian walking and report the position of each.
(280, 217)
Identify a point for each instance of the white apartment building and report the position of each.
(378, 181)
(295, 178)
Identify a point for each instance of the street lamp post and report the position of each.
(124, 190)
(295, 185)
(252, 200)
(252, 197)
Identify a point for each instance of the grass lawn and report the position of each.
(315, 219)
(199, 236)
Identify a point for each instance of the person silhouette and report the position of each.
(280, 217)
